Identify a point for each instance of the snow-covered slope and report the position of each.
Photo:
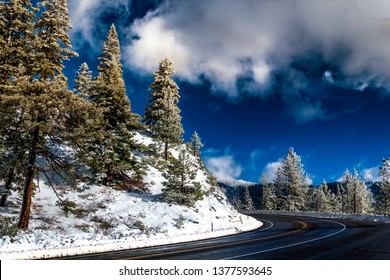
(99, 218)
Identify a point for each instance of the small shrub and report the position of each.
(83, 227)
(180, 222)
(101, 205)
(103, 223)
(8, 227)
(86, 196)
(69, 206)
(106, 225)
(43, 227)
(140, 225)
(79, 212)
(66, 205)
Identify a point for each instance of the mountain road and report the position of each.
(282, 237)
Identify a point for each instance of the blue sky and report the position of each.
(258, 77)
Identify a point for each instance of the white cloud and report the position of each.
(328, 77)
(225, 41)
(86, 22)
(370, 174)
(224, 167)
(202, 41)
(269, 171)
(156, 43)
(211, 39)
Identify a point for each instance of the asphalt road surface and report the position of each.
(280, 238)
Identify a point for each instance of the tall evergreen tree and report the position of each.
(290, 183)
(322, 199)
(356, 198)
(46, 98)
(109, 94)
(84, 82)
(247, 203)
(382, 203)
(343, 191)
(268, 200)
(162, 114)
(16, 27)
(35, 92)
(16, 41)
(196, 143)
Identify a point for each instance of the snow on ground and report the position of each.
(99, 219)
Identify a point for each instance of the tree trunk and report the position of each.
(166, 151)
(29, 181)
(109, 173)
(8, 182)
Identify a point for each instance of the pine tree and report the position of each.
(322, 199)
(356, 198)
(35, 93)
(382, 203)
(290, 183)
(338, 202)
(84, 82)
(196, 144)
(247, 203)
(161, 113)
(16, 38)
(180, 187)
(268, 200)
(46, 100)
(343, 191)
(17, 26)
(109, 95)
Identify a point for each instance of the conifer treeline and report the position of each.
(290, 192)
(39, 113)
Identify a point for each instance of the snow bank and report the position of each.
(134, 221)
(113, 245)
(107, 220)
(99, 218)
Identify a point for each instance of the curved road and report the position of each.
(280, 238)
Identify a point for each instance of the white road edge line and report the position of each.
(271, 225)
(291, 245)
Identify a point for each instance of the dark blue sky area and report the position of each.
(257, 131)
(259, 77)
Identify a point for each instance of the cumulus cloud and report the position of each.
(264, 41)
(371, 174)
(252, 47)
(269, 171)
(211, 39)
(157, 42)
(224, 167)
(86, 15)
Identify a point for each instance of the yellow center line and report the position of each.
(303, 226)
